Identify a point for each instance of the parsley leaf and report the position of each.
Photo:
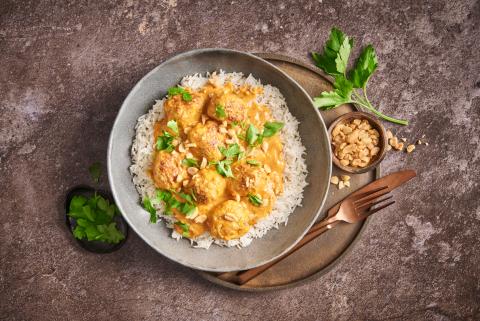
(328, 100)
(364, 67)
(255, 199)
(186, 96)
(332, 99)
(147, 205)
(190, 162)
(172, 124)
(220, 111)
(165, 142)
(188, 209)
(252, 135)
(184, 227)
(224, 169)
(343, 86)
(187, 197)
(342, 58)
(95, 171)
(271, 128)
(328, 60)
(253, 162)
(171, 202)
(231, 151)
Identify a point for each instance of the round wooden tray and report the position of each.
(330, 247)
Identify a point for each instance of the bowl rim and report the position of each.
(375, 122)
(184, 55)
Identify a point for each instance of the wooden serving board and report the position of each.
(319, 256)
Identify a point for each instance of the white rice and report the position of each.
(295, 167)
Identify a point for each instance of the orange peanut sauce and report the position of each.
(215, 119)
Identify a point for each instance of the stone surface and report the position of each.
(64, 71)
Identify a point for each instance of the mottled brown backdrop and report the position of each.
(65, 68)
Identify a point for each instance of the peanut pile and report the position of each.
(356, 143)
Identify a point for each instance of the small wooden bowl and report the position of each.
(375, 123)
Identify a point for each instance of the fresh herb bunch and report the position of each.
(334, 61)
(94, 219)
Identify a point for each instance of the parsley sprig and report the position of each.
(334, 61)
(94, 218)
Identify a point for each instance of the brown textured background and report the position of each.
(64, 71)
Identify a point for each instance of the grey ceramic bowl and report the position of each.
(313, 134)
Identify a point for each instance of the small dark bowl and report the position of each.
(94, 246)
(375, 123)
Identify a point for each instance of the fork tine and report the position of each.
(365, 194)
(371, 196)
(368, 204)
(368, 213)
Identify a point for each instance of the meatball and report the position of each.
(186, 113)
(207, 139)
(166, 169)
(248, 180)
(229, 220)
(207, 185)
(232, 105)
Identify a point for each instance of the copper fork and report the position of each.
(352, 210)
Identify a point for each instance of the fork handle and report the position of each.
(324, 223)
(245, 276)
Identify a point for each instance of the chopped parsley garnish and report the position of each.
(240, 155)
(334, 61)
(255, 199)
(231, 151)
(223, 168)
(190, 162)
(253, 162)
(171, 202)
(95, 171)
(172, 124)
(189, 198)
(94, 219)
(220, 111)
(147, 205)
(188, 209)
(165, 142)
(186, 96)
(185, 228)
(252, 135)
(271, 128)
